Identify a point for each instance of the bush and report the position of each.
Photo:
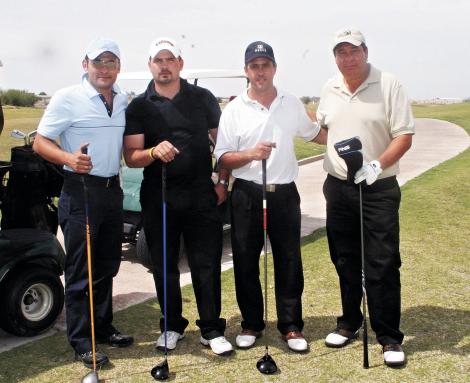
(17, 97)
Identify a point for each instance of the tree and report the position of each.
(17, 97)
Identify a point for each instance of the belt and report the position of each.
(270, 188)
(91, 180)
(379, 185)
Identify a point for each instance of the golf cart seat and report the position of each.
(26, 241)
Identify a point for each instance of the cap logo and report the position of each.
(346, 33)
(260, 48)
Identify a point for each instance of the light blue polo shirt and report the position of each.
(77, 116)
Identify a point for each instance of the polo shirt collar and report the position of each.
(279, 96)
(373, 77)
(152, 94)
(91, 91)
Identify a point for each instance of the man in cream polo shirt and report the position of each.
(365, 102)
(261, 124)
(89, 115)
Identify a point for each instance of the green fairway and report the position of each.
(435, 243)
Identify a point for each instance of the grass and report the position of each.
(435, 244)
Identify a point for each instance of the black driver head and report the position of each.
(161, 371)
(350, 151)
(266, 365)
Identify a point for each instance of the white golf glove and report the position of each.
(368, 172)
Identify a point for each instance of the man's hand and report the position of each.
(165, 151)
(262, 150)
(80, 162)
(221, 191)
(368, 172)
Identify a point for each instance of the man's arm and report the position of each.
(48, 149)
(395, 150)
(322, 136)
(138, 157)
(1, 118)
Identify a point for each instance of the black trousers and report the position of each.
(195, 217)
(381, 202)
(283, 226)
(106, 220)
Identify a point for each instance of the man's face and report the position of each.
(102, 71)
(165, 67)
(261, 73)
(351, 60)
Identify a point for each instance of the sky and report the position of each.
(425, 43)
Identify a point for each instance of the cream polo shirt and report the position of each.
(245, 122)
(377, 112)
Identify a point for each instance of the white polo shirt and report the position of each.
(77, 116)
(377, 112)
(245, 122)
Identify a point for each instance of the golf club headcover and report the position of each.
(368, 172)
(350, 151)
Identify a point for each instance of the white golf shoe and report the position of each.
(340, 338)
(219, 345)
(172, 337)
(393, 355)
(247, 338)
(296, 341)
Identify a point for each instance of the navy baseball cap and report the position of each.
(259, 49)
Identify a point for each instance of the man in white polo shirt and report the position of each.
(90, 115)
(261, 124)
(365, 102)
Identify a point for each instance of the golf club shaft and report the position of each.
(89, 264)
(364, 295)
(164, 255)
(265, 229)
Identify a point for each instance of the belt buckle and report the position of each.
(271, 188)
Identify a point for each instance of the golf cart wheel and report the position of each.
(33, 300)
(142, 250)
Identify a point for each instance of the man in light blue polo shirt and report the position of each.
(90, 115)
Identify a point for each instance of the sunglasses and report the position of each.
(108, 64)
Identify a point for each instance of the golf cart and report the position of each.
(132, 177)
(31, 258)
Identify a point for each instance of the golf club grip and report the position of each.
(84, 149)
(365, 343)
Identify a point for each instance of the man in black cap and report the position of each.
(261, 124)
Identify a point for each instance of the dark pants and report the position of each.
(283, 226)
(195, 217)
(381, 202)
(105, 219)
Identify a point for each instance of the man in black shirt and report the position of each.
(1, 117)
(169, 124)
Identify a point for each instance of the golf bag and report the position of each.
(27, 200)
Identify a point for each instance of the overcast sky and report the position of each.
(425, 43)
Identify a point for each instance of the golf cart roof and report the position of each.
(188, 74)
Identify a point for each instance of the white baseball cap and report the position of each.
(164, 43)
(101, 45)
(349, 35)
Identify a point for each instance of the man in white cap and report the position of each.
(168, 126)
(365, 102)
(89, 120)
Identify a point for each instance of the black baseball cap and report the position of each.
(259, 49)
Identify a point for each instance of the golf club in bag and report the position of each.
(266, 365)
(161, 371)
(91, 377)
(350, 151)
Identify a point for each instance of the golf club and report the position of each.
(19, 135)
(350, 151)
(266, 365)
(92, 376)
(162, 371)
